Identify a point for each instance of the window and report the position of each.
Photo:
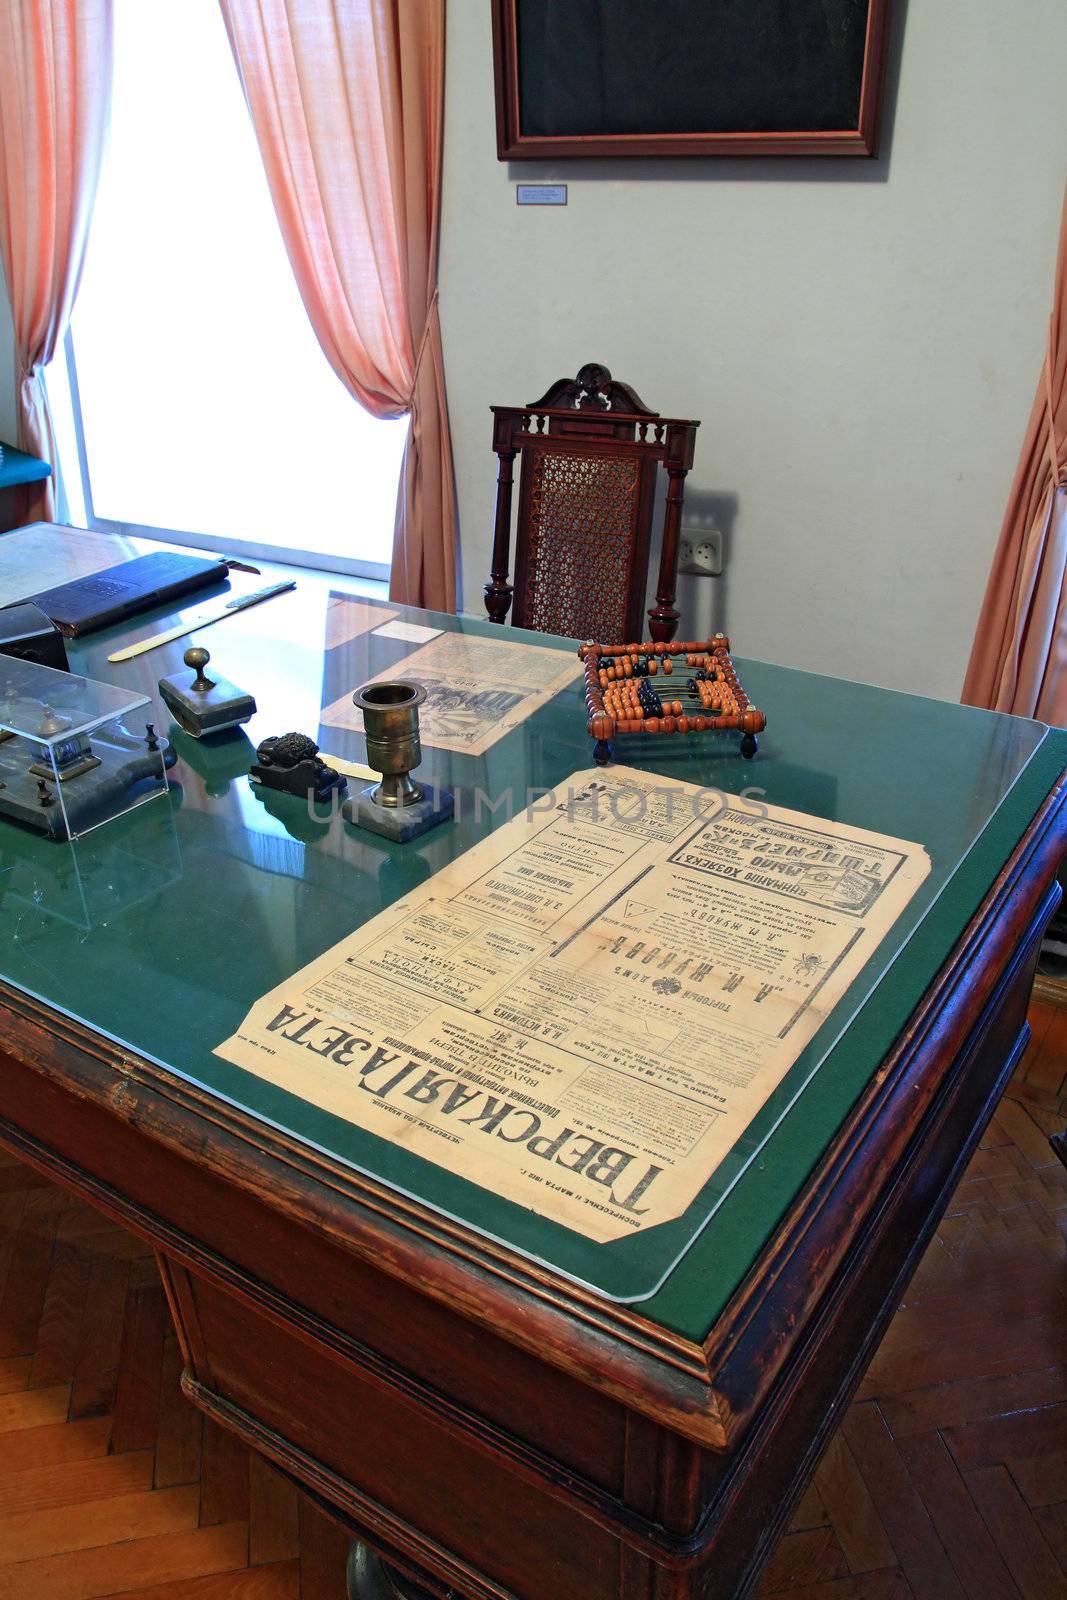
(199, 402)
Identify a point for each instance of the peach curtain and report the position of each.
(347, 100)
(1019, 658)
(55, 90)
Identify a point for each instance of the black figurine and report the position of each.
(291, 762)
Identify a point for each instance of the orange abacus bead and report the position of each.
(676, 707)
(668, 725)
(699, 723)
(652, 725)
(667, 666)
(653, 667)
(683, 724)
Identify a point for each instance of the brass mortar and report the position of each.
(391, 722)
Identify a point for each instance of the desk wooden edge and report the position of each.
(706, 1393)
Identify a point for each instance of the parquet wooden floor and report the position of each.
(110, 1482)
(946, 1481)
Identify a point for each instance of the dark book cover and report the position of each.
(104, 598)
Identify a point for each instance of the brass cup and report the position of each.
(391, 722)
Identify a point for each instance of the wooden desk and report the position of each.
(484, 1422)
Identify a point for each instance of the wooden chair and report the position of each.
(589, 449)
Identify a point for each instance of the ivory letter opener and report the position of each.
(203, 619)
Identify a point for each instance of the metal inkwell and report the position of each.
(397, 807)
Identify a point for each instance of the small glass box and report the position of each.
(73, 753)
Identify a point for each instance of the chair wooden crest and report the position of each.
(590, 448)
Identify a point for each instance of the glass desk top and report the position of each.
(162, 929)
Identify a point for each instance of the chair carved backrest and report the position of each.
(589, 451)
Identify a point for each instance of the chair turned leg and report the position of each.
(371, 1578)
(663, 623)
(497, 600)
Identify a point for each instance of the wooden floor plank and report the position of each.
(870, 1586)
(70, 1482)
(851, 1510)
(1046, 1070)
(96, 1371)
(280, 1582)
(1052, 1520)
(803, 1559)
(1018, 1536)
(137, 1563)
(15, 1373)
(1026, 1134)
(1016, 1435)
(323, 1554)
(29, 1535)
(970, 1546)
(811, 1511)
(34, 1408)
(180, 1425)
(12, 1206)
(224, 1473)
(918, 1549)
(62, 1315)
(27, 1273)
(140, 1372)
(273, 1514)
(59, 1442)
(996, 1352)
(972, 1399)
(1042, 1480)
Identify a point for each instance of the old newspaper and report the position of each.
(584, 1012)
(477, 689)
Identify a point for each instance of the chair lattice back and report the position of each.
(589, 452)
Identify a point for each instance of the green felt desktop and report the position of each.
(160, 930)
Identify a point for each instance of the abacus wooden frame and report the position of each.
(604, 728)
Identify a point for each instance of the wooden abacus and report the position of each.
(698, 691)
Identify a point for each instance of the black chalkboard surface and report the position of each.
(679, 77)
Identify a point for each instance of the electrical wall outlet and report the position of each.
(700, 554)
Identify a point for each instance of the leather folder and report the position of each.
(107, 597)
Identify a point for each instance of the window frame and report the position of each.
(218, 544)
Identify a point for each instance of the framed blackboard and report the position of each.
(688, 77)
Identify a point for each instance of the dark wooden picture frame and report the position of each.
(522, 117)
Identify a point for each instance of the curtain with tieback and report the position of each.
(55, 94)
(347, 101)
(1019, 658)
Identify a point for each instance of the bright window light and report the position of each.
(207, 406)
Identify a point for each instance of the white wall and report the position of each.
(861, 340)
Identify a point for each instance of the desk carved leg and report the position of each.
(371, 1578)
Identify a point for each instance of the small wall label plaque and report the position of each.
(541, 194)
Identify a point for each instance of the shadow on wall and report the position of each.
(701, 600)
